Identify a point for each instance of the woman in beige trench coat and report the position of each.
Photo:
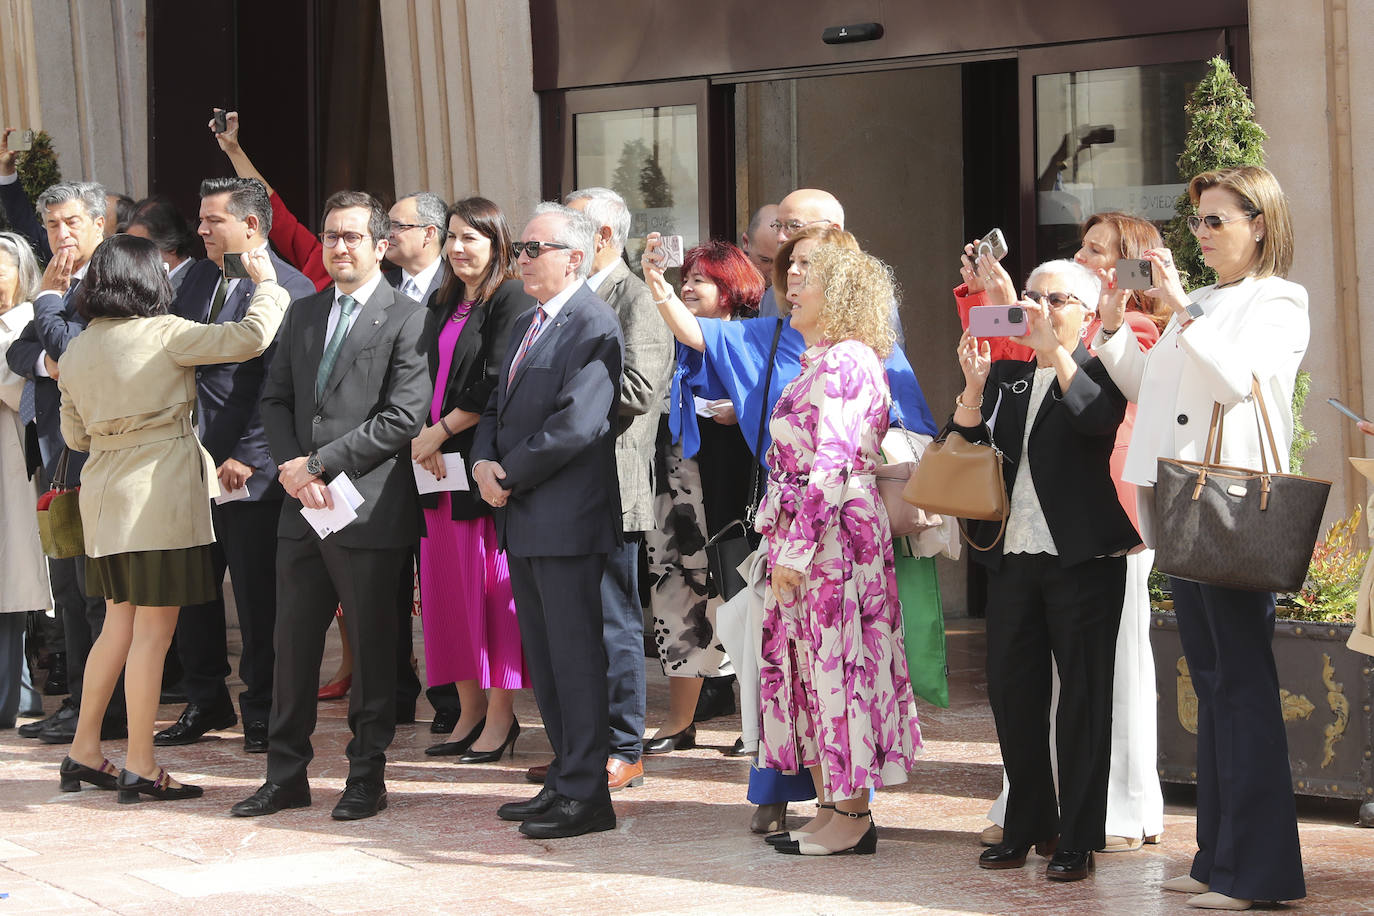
(128, 387)
(23, 569)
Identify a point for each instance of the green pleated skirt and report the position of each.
(154, 578)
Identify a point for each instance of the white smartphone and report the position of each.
(1346, 410)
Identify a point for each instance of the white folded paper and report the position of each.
(347, 499)
(705, 408)
(455, 476)
(232, 495)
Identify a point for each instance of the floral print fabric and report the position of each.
(833, 681)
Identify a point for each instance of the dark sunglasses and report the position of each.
(534, 249)
(1056, 300)
(1213, 222)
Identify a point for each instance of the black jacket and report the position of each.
(1070, 445)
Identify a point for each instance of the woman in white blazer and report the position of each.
(1251, 323)
(23, 569)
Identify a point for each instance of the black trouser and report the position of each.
(558, 603)
(313, 577)
(1042, 614)
(83, 617)
(1247, 821)
(407, 683)
(246, 544)
(623, 637)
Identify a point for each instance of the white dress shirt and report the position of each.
(421, 280)
(598, 278)
(360, 296)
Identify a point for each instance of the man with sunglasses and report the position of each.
(345, 394)
(544, 457)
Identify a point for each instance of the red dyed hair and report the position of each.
(729, 268)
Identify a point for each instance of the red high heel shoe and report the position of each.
(336, 690)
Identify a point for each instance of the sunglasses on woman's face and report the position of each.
(1212, 222)
(1056, 300)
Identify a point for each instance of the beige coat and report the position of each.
(128, 387)
(23, 569)
(1362, 637)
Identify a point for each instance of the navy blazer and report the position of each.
(227, 414)
(24, 219)
(374, 403)
(55, 323)
(472, 373)
(1070, 445)
(552, 429)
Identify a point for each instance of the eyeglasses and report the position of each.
(1214, 222)
(398, 228)
(793, 226)
(351, 240)
(534, 249)
(1056, 300)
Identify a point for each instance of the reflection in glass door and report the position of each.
(649, 157)
(1108, 140)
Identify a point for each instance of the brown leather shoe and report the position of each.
(620, 774)
(538, 774)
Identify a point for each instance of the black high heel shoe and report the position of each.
(461, 746)
(793, 836)
(73, 774)
(493, 756)
(866, 845)
(684, 740)
(131, 786)
(1004, 855)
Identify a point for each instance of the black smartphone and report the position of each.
(1135, 273)
(221, 120)
(1346, 410)
(233, 266)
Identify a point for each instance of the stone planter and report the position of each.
(1326, 696)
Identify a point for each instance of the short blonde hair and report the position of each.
(1259, 194)
(859, 293)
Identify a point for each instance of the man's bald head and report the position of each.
(805, 207)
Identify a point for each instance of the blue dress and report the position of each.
(733, 365)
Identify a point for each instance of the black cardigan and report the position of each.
(1070, 451)
(473, 373)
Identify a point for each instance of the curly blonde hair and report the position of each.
(859, 295)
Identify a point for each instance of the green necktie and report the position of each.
(331, 350)
(221, 293)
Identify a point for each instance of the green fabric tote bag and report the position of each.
(923, 625)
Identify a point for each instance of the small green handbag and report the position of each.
(923, 625)
(59, 516)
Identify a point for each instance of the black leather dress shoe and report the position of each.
(361, 798)
(194, 722)
(1069, 865)
(570, 817)
(717, 698)
(736, 749)
(63, 730)
(1004, 855)
(682, 741)
(34, 729)
(444, 721)
(255, 737)
(271, 798)
(521, 811)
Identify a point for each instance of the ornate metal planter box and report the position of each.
(1325, 690)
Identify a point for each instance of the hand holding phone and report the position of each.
(670, 252)
(997, 321)
(994, 244)
(1135, 273)
(233, 266)
(221, 121)
(21, 141)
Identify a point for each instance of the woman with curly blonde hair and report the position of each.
(833, 681)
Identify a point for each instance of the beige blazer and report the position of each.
(23, 569)
(128, 388)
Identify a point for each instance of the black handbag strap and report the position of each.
(755, 492)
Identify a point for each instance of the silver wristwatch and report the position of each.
(313, 466)
(1194, 310)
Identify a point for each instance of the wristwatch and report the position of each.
(1194, 310)
(313, 466)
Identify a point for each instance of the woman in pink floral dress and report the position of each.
(835, 693)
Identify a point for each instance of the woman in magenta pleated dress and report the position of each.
(472, 637)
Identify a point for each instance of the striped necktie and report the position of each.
(331, 351)
(27, 409)
(527, 342)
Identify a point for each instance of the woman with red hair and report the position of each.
(697, 443)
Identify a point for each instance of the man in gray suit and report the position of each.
(544, 457)
(648, 369)
(345, 394)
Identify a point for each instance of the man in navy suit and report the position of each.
(544, 457)
(235, 217)
(74, 221)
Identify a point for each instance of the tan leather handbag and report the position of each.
(961, 478)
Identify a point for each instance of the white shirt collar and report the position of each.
(555, 305)
(423, 278)
(598, 278)
(362, 294)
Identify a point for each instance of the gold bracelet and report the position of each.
(959, 402)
